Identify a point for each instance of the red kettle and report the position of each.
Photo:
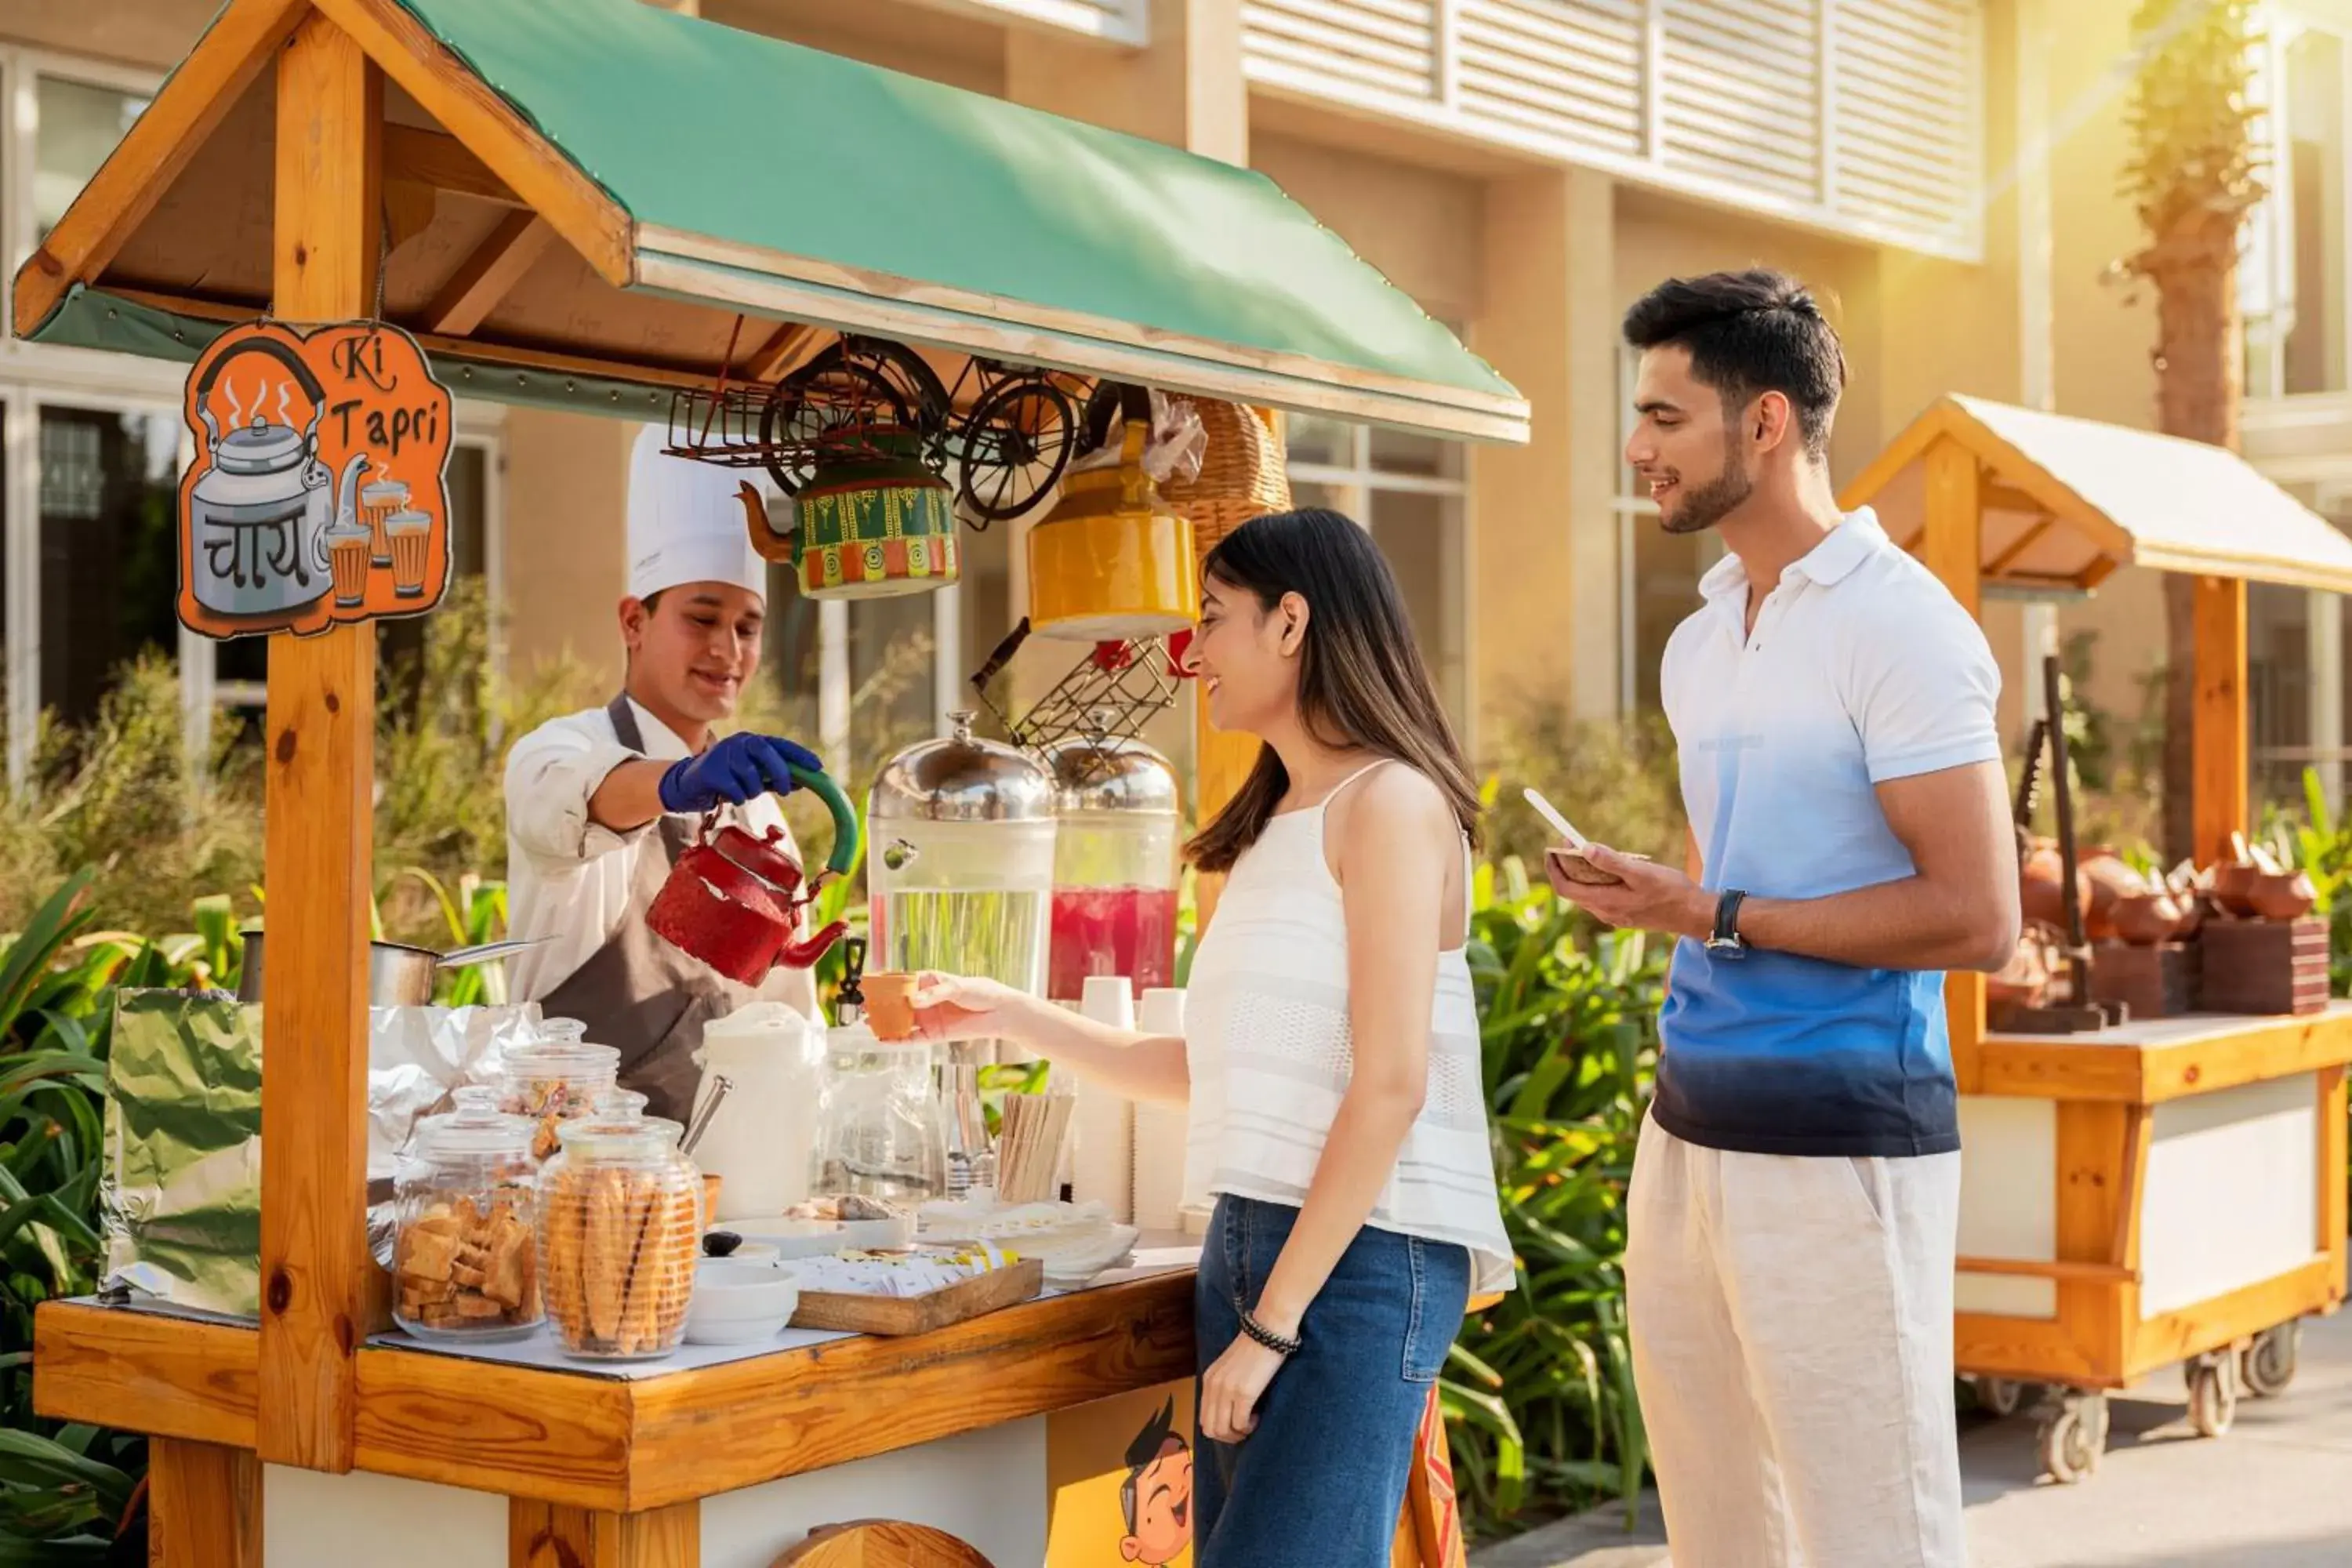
(733, 898)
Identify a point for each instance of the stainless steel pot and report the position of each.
(398, 976)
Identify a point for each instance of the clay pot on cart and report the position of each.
(2112, 879)
(2042, 893)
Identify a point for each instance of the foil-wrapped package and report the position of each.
(181, 1193)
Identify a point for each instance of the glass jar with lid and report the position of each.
(961, 869)
(556, 1078)
(881, 1127)
(620, 1227)
(1115, 870)
(463, 1262)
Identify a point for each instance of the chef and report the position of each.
(600, 802)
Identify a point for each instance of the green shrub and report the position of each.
(66, 1491)
(1540, 1395)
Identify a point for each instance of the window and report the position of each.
(91, 450)
(1410, 494)
(2299, 708)
(108, 551)
(2292, 279)
(89, 569)
(78, 123)
(1657, 571)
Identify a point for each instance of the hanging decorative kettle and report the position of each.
(734, 898)
(872, 520)
(260, 512)
(1114, 561)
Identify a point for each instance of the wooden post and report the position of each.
(204, 1505)
(2332, 1196)
(318, 837)
(552, 1535)
(1954, 549)
(2220, 801)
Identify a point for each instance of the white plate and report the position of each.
(816, 1237)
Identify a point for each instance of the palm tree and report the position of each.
(2195, 173)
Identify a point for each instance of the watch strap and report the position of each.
(1726, 918)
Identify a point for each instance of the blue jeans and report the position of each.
(1321, 1483)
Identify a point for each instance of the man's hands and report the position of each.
(1647, 896)
(733, 770)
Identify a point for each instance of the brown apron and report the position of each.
(640, 994)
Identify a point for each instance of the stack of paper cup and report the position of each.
(1103, 1163)
(1159, 1127)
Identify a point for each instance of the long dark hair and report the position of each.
(1361, 681)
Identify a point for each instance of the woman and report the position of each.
(1330, 1054)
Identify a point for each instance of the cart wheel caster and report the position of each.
(2269, 1364)
(2074, 1434)
(2213, 1391)
(2003, 1396)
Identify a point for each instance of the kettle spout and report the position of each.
(347, 492)
(804, 954)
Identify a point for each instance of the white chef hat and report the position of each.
(685, 523)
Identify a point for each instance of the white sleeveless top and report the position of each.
(1267, 1041)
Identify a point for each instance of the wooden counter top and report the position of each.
(2159, 1059)
(624, 1444)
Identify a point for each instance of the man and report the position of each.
(1796, 1193)
(600, 802)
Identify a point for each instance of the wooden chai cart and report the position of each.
(2159, 1192)
(596, 205)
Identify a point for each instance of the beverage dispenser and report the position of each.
(960, 865)
(1114, 864)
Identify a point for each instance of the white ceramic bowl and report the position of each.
(736, 1302)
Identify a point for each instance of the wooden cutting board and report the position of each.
(965, 1299)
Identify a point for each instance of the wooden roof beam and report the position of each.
(488, 275)
(791, 346)
(413, 155)
(588, 217)
(672, 374)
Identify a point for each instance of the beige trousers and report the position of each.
(1792, 1321)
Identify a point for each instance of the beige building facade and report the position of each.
(1944, 172)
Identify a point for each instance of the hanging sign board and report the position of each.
(319, 493)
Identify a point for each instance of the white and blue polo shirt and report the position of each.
(1862, 669)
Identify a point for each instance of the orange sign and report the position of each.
(319, 493)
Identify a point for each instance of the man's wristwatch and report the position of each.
(1725, 938)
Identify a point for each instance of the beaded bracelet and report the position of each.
(1278, 1343)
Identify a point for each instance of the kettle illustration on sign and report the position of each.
(261, 513)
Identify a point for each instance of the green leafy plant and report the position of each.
(68, 1493)
(1541, 1390)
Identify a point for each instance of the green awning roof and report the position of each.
(740, 172)
(762, 172)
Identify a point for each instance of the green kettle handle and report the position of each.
(848, 835)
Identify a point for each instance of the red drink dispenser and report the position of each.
(1115, 803)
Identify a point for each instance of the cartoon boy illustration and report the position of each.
(1157, 1495)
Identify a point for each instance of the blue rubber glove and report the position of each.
(735, 769)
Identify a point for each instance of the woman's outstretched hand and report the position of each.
(968, 1008)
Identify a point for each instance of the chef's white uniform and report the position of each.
(584, 887)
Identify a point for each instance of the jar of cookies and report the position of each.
(556, 1078)
(620, 1227)
(463, 1263)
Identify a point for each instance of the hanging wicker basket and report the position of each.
(1241, 477)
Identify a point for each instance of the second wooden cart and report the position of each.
(2168, 1191)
